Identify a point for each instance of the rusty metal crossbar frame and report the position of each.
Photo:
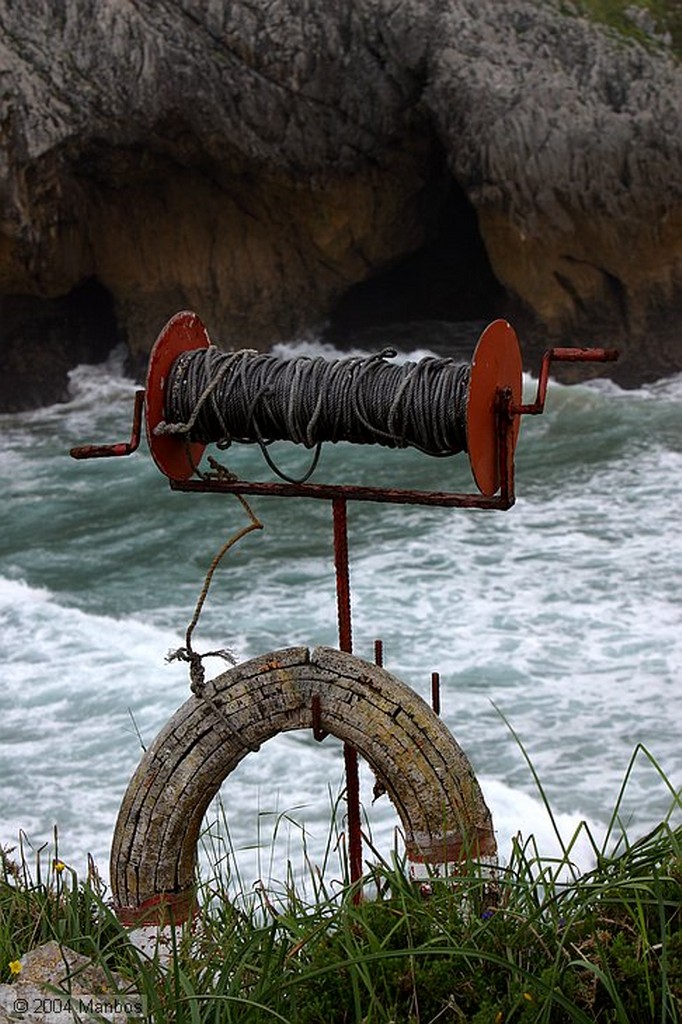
(506, 412)
(503, 500)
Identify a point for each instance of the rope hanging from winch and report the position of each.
(213, 396)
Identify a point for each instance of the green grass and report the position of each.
(665, 15)
(535, 942)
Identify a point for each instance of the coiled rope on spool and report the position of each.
(246, 396)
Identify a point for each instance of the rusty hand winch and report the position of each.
(492, 413)
(151, 881)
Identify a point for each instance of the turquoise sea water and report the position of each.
(562, 615)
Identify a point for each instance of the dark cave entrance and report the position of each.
(439, 297)
(42, 339)
(90, 319)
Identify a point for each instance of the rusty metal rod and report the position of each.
(350, 760)
(506, 442)
(316, 707)
(443, 499)
(342, 574)
(350, 754)
(104, 451)
(562, 355)
(435, 692)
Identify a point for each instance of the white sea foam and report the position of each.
(76, 688)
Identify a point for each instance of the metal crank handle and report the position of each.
(104, 451)
(562, 355)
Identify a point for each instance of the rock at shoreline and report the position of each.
(285, 167)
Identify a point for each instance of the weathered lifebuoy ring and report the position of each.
(426, 773)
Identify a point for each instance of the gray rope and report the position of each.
(250, 397)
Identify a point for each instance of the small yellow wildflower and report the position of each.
(58, 865)
(15, 966)
(528, 997)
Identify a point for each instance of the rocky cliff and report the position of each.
(285, 165)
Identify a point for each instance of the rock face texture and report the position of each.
(257, 161)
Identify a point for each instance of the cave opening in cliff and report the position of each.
(90, 317)
(447, 287)
(41, 339)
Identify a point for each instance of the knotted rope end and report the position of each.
(197, 672)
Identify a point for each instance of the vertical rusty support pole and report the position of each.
(379, 653)
(350, 754)
(342, 574)
(435, 692)
(350, 759)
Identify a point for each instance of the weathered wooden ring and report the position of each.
(426, 773)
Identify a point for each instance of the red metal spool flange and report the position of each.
(496, 365)
(173, 455)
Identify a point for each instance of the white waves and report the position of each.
(77, 688)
